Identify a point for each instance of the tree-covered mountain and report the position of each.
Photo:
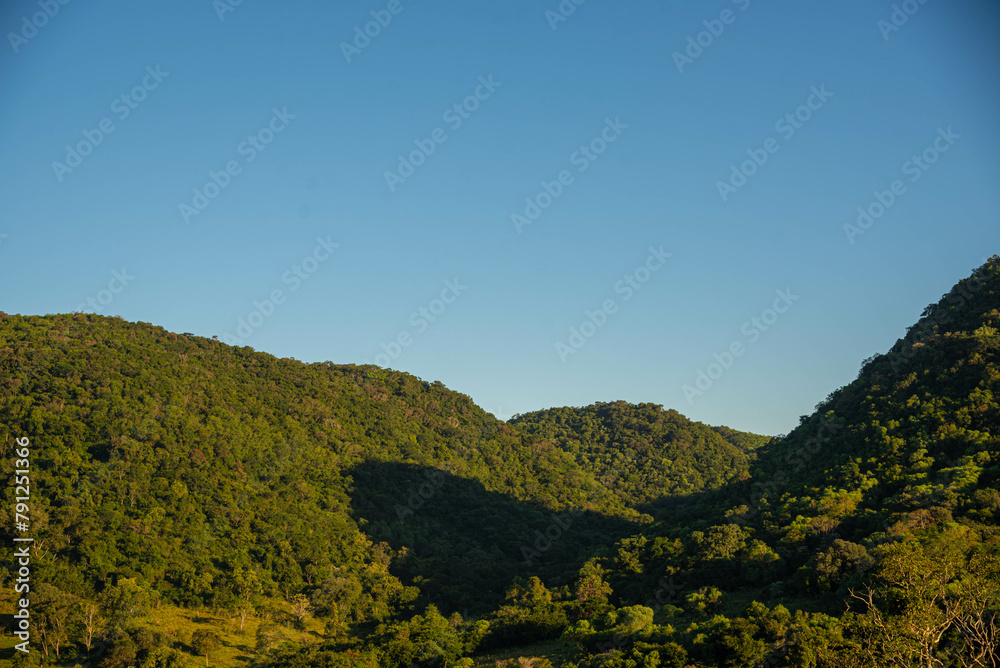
(866, 537)
(883, 503)
(643, 452)
(182, 461)
(743, 440)
(417, 529)
(191, 468)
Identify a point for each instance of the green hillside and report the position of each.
(185, 492)
(643, 452)
(883, 503)
(181, 461)
(866, 537)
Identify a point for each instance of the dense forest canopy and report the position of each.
(643, 452)
(404, 525)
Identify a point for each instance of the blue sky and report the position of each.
(640, 136)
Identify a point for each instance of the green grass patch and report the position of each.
(555, 651)
(178, 624)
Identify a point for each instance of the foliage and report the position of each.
(172, 469)
(643, 452)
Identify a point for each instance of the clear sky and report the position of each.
(115, 115)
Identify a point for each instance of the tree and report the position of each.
(89, 614)
(704, 601)
(124, 652)
(917, 596)
(337, 597)
(530, 615)
(978, 599)
(720, 541)
(842, 560)
(300, 608)
(205, 642)
(268, 633)
(592, 591)
(124, 602)
(166, 657)
(528, 594)
(248, 593)
(54, 609)
(631, 619)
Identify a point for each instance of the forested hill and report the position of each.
(186, 463)
(916, 432)
(643, 452)
(179, 469)
(884, 502)
(869, 536)
(179, 460)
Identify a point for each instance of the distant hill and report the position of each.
(643, 452)
(743, 440)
